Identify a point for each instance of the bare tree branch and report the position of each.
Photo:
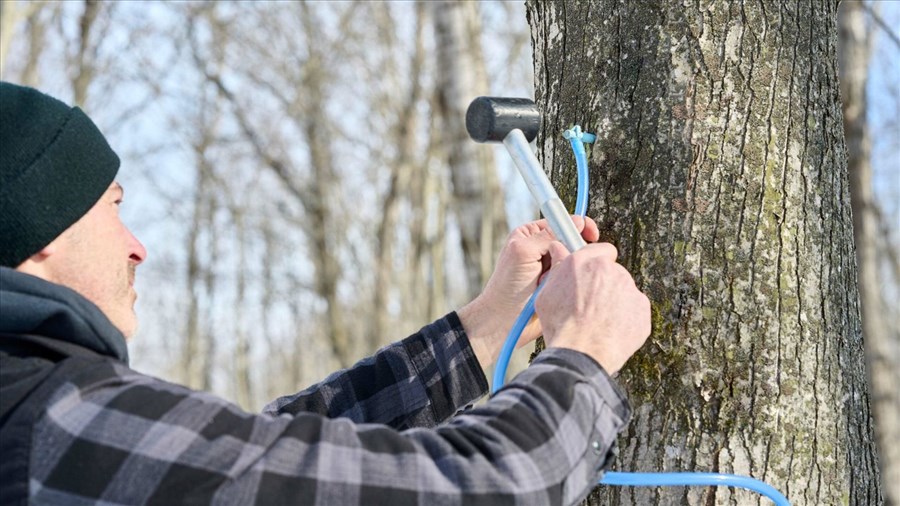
(278, 166)
(881, 23)
(86, 55)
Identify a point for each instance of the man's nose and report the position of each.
(137, 251)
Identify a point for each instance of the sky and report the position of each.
(884, 113)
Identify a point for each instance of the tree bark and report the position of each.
(720, 174)
(855, 52)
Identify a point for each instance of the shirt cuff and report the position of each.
(615, 411)
(447, 366)
(596, 375)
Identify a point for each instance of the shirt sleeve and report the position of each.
(417, 382)
(112, 435)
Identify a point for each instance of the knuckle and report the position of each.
(523, 231)
(621, 273)
(517, 245)
(608, 248)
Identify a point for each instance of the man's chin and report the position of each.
(128, 327)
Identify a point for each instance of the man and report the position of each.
(77, 426)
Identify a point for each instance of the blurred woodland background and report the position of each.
(299, 172)
(301, 177)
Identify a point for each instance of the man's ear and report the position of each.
(44, 253)
(36, 263)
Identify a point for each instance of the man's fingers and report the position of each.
(606, 250)
(557, 253)
(588, 228)
(532, 241)
(584, 225)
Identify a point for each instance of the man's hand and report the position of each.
(591, 304)
(522, 262)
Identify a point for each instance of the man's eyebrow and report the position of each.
(117, 186)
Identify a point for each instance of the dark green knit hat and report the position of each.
(54, 166)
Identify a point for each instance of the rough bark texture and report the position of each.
(854, 55)
(720, 174)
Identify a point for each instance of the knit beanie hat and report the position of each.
(54, 166)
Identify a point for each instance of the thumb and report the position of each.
(556, 253)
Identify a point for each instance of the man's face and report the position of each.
(97, 257)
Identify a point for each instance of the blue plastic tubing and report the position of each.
(577, 138)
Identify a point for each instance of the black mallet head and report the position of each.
(490, 119)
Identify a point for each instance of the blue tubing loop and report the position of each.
(509, 346)
(693, 480)
(577, 138)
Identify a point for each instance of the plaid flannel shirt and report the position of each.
(366, 435)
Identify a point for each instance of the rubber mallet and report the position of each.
(515, 123)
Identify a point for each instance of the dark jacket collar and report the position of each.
(30, 305)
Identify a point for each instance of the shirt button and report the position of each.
(596, 446)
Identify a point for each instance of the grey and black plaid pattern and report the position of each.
(114, 436)
(419, 382)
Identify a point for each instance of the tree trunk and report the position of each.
(855, 50)
(196, 354)
(243, 363)
(11, 15)
(720, 174)
(191, 354)
(87, 52)
(323, 227)
(478, 198)
(402, 167)
(36, 45)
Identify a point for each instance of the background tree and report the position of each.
(13, 14)
(882, 341)
(461, 77)
(720, 174)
